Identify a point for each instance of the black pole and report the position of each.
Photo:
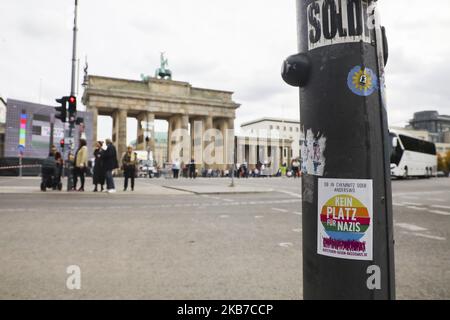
(52, 130)
(72, 93)
(348, 245)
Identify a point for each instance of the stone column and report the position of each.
(191, 137)
(115, 129)
(151, 145)
(148, 130)
(94, 112)
(208, 123)
(197, 132)
(175, 122)
(169, 138)
(230, 141)
(140, 136)
(184, 124)
(122, 132)
(223, 124)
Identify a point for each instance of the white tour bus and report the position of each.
(412, 157)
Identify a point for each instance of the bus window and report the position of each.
(416, 145)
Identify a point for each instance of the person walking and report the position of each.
(99, 170)
(244, 170)
(283, 169)
(192, 169)
(296, 168)
(81, 160)
(176, 168)
(109, 164)
(129, 163)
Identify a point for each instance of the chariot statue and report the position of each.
(162, 72)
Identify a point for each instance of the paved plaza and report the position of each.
(194, 239)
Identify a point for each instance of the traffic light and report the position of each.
(62, 109)
(72, 108)
(61, 143)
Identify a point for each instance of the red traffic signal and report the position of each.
(72, 106)
(61, 143)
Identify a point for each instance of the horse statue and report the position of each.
(163, 72)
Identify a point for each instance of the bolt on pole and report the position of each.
(348, 243)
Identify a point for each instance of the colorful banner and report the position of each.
(345, 219)
(22, 131)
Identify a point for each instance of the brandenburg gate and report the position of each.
(151, 98)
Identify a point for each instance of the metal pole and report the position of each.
(74, 51)
(72, 89)
(348, 243)
(52, 130)
(233, 168)
(147, 145)
(20, 164)
(63, 171)
(78, 76)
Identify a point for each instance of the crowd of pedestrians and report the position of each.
(105, 161)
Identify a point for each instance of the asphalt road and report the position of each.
(162, 244)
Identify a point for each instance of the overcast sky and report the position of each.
(235, 45)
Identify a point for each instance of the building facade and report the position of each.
(437, 125)
(2, 110)
(283, 129)
(28, 129)
(254, 151)
(419, 134)
(2, 126)
(181, 104)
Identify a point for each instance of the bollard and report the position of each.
(348, 244)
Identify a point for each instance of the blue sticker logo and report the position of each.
(362, 82)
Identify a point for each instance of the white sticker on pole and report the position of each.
(345, 219)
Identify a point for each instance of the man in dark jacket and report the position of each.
(109, 164)
(192, 169)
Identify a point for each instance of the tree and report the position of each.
(443, 163)
(440, 162)
(447, 159)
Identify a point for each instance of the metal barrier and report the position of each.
(22, 166)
